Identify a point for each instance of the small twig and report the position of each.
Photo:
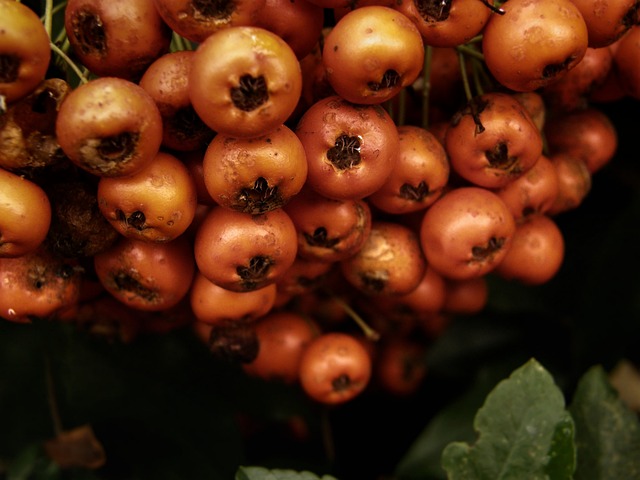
(179, 43)
(463, 72)
(369, 332)
(69, 62)
(471, 51)
(48, 16)
(476, 67)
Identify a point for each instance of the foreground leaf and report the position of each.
(261, 473)
(525, 433)
(607, 432)
(454, 422)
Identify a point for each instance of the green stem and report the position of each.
(54, 10)
(369, 332)
(69, 62)
(476, 66)
(463, 72)
(179, 43)
(470, 51)
(476, 39)
(48, 17)
(62, 39)
(484, 75)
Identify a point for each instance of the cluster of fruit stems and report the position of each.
(468, 51)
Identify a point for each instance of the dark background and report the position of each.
(164, 408)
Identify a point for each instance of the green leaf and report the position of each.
(261, 473)
(453, 422)
(607, 432)
(525, 433)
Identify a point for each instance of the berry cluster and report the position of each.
(263, 171)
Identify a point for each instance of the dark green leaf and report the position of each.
(525, 433)
(607, 432)
(261, 473)
(454, 422)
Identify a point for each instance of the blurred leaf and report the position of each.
(525, 433)
(32, 464)
(625, 379)
(25, 463)
(260, 473)
(607, 432)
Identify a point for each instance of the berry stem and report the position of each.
(476, 67)
(426, 85)
(471, 51)
(179, 43)
(68, 61)
(369, 332)
(463, 71)
(48, 17)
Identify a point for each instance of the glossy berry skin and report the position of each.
(214, 305)
(390, 262)
(255, 175)
(24, 50)
(446, 23)
(609, 20)
(350, 148)
(147, 276)
(242, 252)
(109, 127)
(493, 140)
(196, 21)
(420, 175)
(372, 53)
(37, 284)
(335, 368)
(534, 43)
(467, 232)
(533, 192)
(536, 254)
(118, 38)
(329, 230)
(251, 89)
(156, 204)
(25, 215)
(283, 336)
